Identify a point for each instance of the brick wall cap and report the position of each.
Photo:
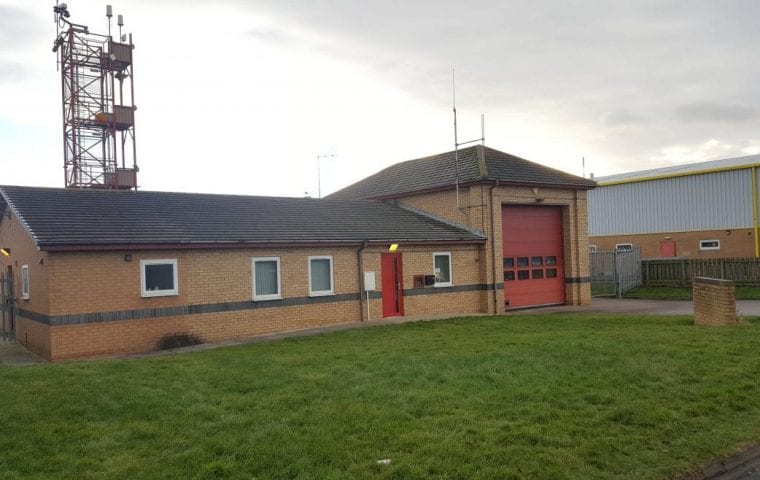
(713, 281)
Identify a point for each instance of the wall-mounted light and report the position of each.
(393, 247)
(6, 251)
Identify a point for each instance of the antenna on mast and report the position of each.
(457, 144)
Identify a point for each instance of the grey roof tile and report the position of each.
(60, 217)
(476, 163)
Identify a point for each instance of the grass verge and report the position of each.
(534, 396)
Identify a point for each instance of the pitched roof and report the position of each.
(476, 164)
(736, 163)
(59, 218)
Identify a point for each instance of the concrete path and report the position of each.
(15, 355)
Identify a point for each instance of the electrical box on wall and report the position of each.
(429, 280)
(369, 281)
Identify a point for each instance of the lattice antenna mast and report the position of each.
(457, 143)
(97, 103)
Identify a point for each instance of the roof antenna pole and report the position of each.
(456, 139)
(583, 164)
(319, 172)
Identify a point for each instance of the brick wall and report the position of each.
(97, 282)
(733, 243)
(14, 236)
(714, 301)
(481, 205)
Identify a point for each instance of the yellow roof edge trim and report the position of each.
(679, 174)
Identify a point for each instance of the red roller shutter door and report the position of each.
(533, 261)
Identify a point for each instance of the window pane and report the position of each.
(523, 274)
(266, 277)
(159, 277)
(522, 261)
(25, 281)
(509, 262)
(551, 260)
(537, 274)
(509, 275)
(536, 261)
(320, 275)
(551, 273)
(442, 269)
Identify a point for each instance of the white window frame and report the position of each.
(628, 245)
(592, 249)
(451, 270)
(273, 296)
(159, 293)
(322, 293)
(25, 282)
(709, 248)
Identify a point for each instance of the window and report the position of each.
(523, 274)
(509, 275)
(592, 248)
(266, 278)
(321, 276)
(25, 282)
(522, 261)
(709, 244)
(158, 278)
(624, 247)
(551, 260)
(537, 274)
(442, 269)
(536, 261)
(551, 273)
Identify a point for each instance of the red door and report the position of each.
(533, 260)
(393, 288)
(667, 248)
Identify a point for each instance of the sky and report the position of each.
(241, 96)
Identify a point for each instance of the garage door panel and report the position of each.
(533, 255)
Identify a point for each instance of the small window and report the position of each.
(523, 274)
(158, 278)
(442, 269)
(25, 282)
(536, 261)
(551, 260)
(624, 247)
(321, 276)
(523, 261)
(709, 244)
(509, 262)
(536, 274)
(509, 275)
(592, 248)
(551, 273)
(266, 278)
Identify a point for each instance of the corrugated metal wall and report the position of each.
(710, 201)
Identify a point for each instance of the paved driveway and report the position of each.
(643, 307)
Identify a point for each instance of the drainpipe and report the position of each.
(360, 263)
(493, 245)
(754, 211)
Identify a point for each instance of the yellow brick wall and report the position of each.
(714, 302)
(104, 282)
(481, 210)
(23, 252)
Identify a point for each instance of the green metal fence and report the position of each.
(678, 272)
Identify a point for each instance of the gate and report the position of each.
(614, 273)
(7, 308)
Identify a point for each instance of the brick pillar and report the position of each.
(714, 301)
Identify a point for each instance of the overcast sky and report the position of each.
(241, 96)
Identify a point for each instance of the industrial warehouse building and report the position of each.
(699, 210)
(102, 272)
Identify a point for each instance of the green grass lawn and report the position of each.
(678, 293)
(532, 396)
